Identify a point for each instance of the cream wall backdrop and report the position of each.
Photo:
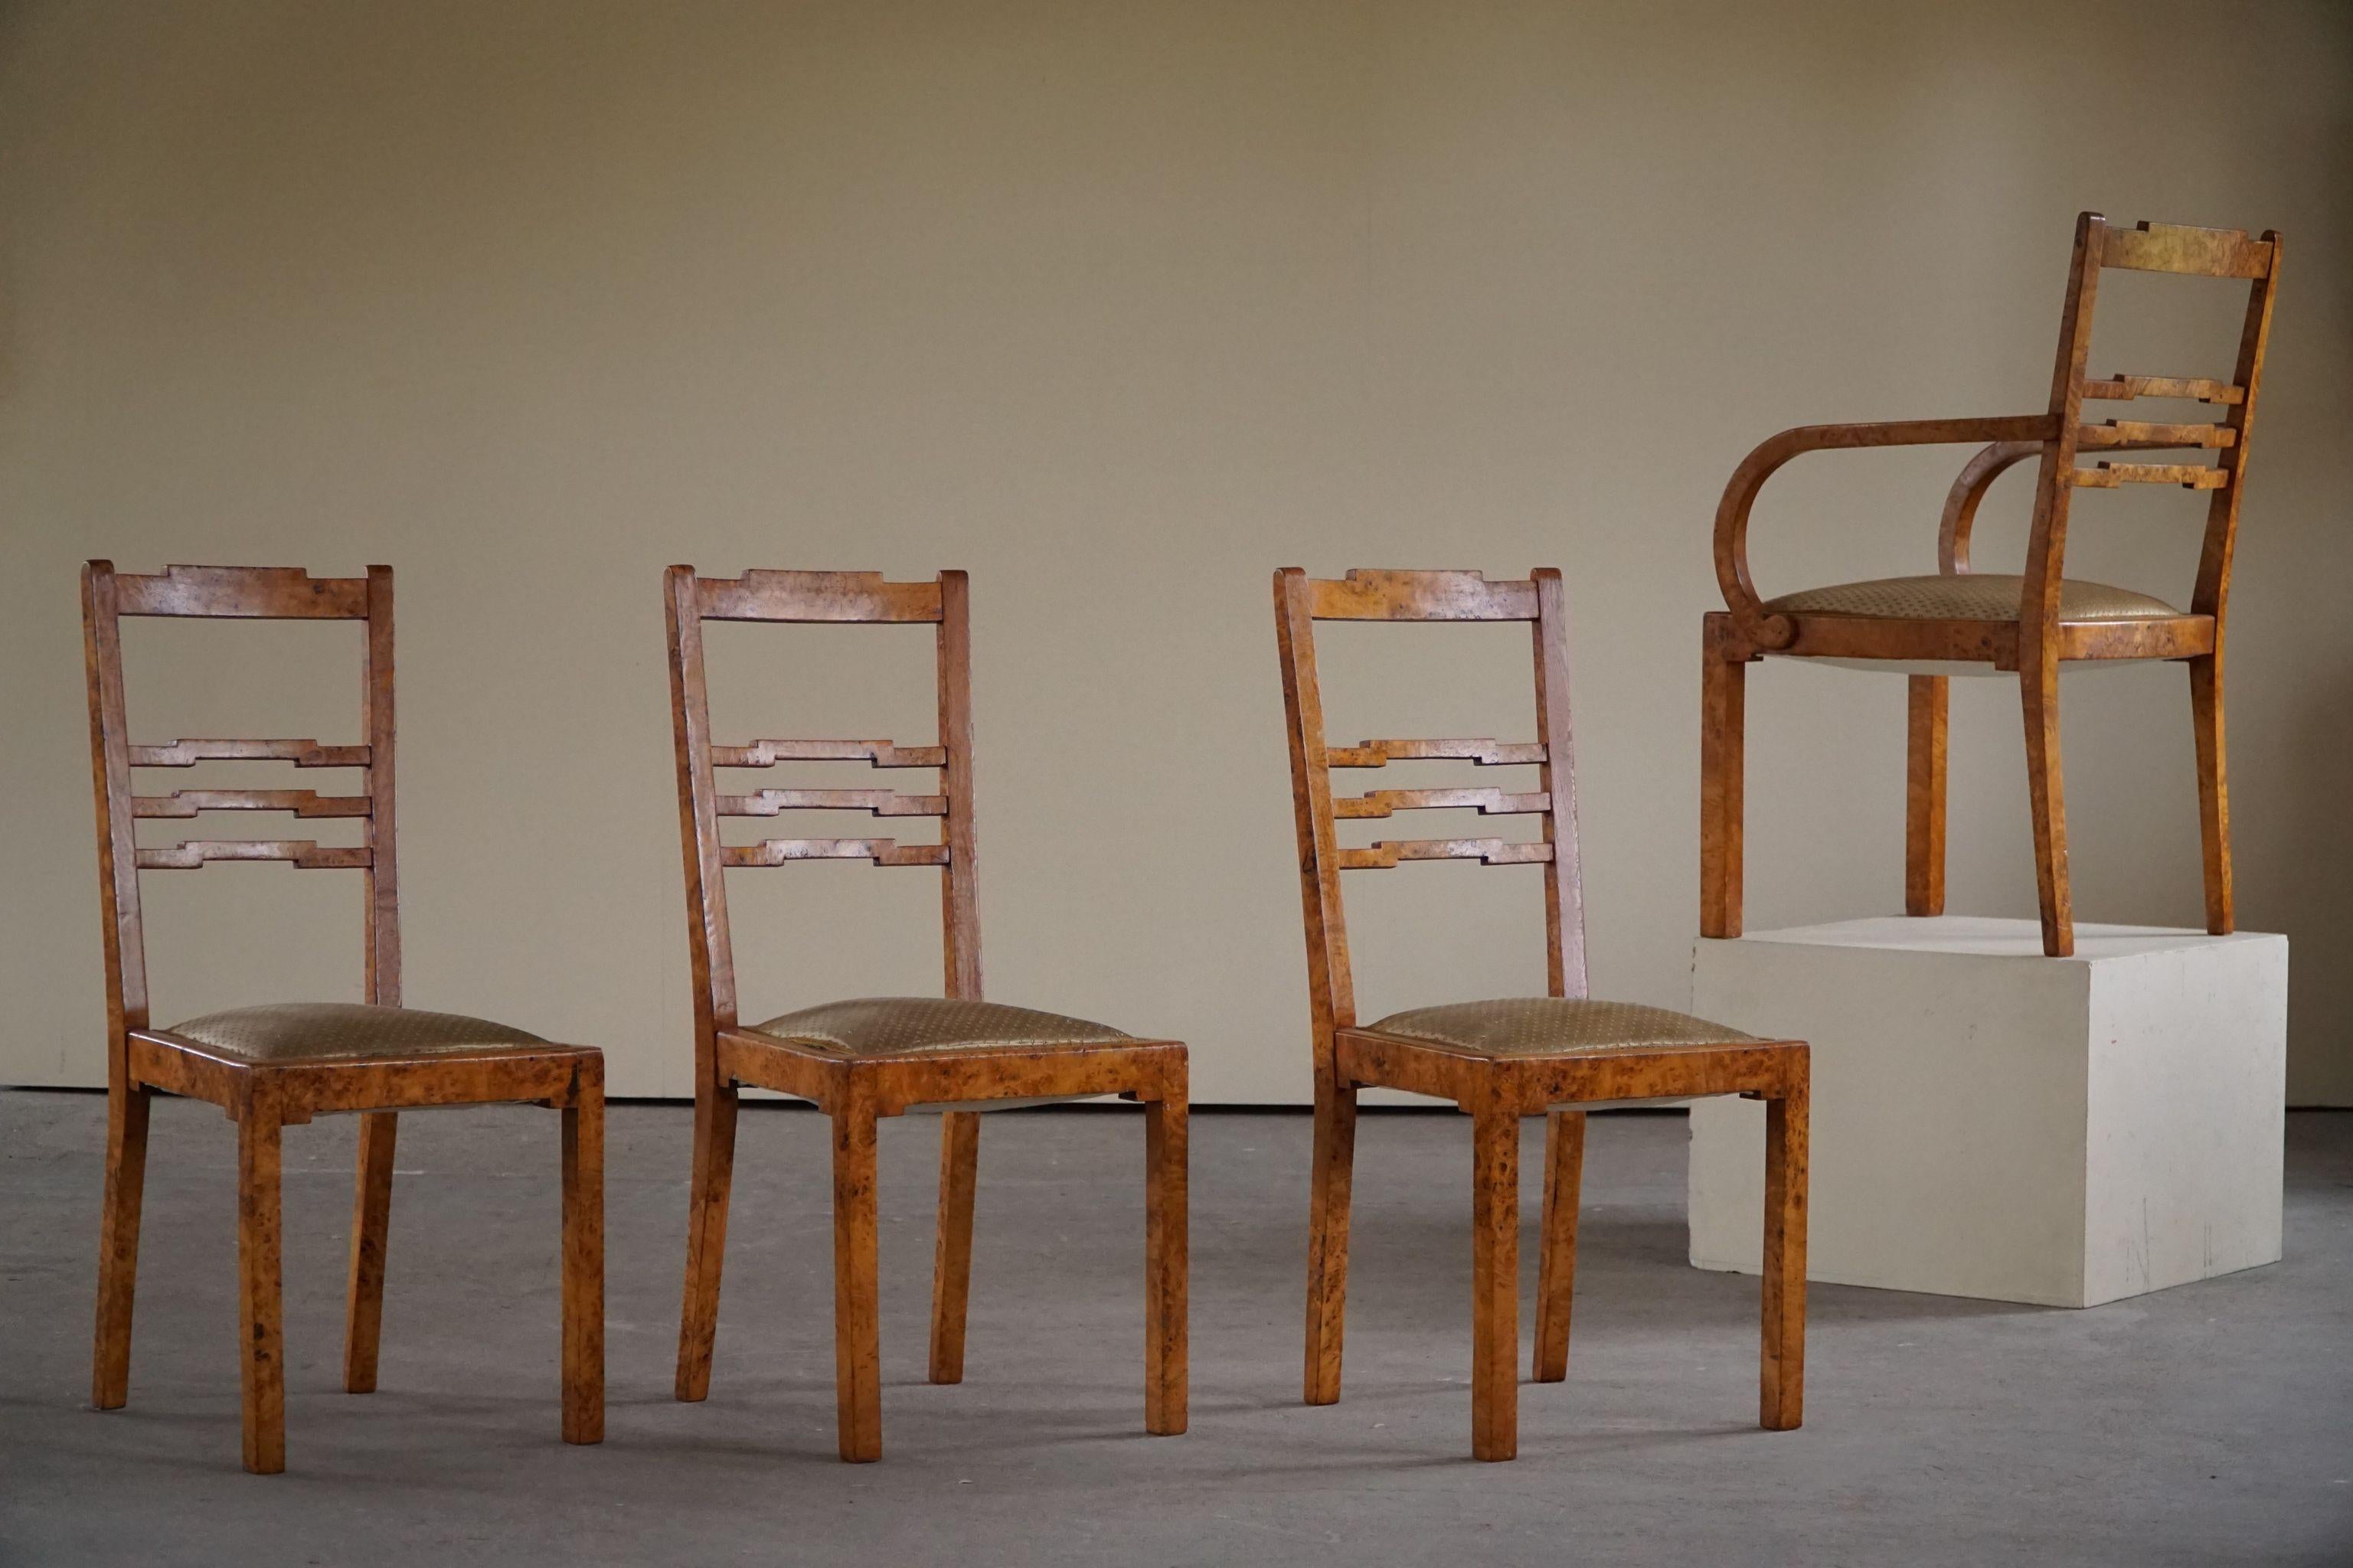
(1118, 307)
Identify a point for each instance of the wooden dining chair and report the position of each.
(278, 1064)
(877, 1057)
(1501, 1060)
(1981, 622)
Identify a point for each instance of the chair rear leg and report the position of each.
(2038, 690)
(118, 1244)
(952, 1261)
(261, 1374)
(857, 1335)
(1557, 1271)
(1782, 1374)
(1923, 796)
(1166, 1265)
(2213, 792)
(706, 1235)
(1723, 680)
(371, 1226)
(1495, 1283)
(584, 1262)
(1328, 1238)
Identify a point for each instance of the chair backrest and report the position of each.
(247, 593)
(2152, 247)
(1300, 600)
(829, 597)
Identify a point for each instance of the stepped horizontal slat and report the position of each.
(879, 754)
(881, 802)
(2136, 433)
(1486, 753)
(2189, 477)
(2125, 388)
(301, 754)
(305, 854)
(301, 801)
(1486, 801)
(1487, 851)
(882, 851)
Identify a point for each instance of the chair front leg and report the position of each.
(1166, 1264)
(583, 1264)
(857, 1334)
(951, 1260)
(118, 1242)
(1327, 1237)
(371, 1223)
(1557, 1271)
(2037, 680)
(1722, 741)
(2213, 791)
(706, 1235)
(261, 1372)
(1494, 1282)
(1782, 1374)
(1929, 704)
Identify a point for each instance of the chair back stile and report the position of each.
(247, 594)
(1362, 595)
(811, 597)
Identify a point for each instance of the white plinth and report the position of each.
(1988, 1121)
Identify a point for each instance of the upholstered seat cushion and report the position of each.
(910, 1025)
(339, 1031)
(1966, 596)
(1548, 1026)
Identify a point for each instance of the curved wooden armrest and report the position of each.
(1740, 495)
(1977, 476)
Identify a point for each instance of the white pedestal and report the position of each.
(1988, 1121)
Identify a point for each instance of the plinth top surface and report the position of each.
(1986, 936)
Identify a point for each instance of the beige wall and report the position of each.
(1118, 307)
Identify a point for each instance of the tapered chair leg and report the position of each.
(2213, 792)
(1328, 1238)
(1166, 1265)
(857, 1335)
(584, 1266)
(1557, 1269)
(260, 1299)
(1782, 1404)
(117, 1245)
(1930, 704)
(1495, 1283)
(952, 1261)
(706, 1235)
(1723, 680)
(371, 1223)
(2039, 687)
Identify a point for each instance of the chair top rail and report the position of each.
(816, 597)
(2188, 251)
(1390, 595)
(262, 592)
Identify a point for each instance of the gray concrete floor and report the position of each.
(2209, 1423)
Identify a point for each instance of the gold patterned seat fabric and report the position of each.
(1548, 1026)
(1966, 596)
(346, 1031)
(913, 1025)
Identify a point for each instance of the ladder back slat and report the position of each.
(1378, 595)
(301, 754)
(2137, 434)
(882, 851)
(816, 597)
(2125, 388)
(2189, 476)
(1485, 752)
(305, 854)
(301, 801)
(879, 754)
(1380, 803)
(2183, 249)
(879, 802)
(259, 592)
(1389, 852)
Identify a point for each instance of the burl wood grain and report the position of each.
(1496, 1091)
(858, 1093)
(264, 1098)
(2037, 642)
